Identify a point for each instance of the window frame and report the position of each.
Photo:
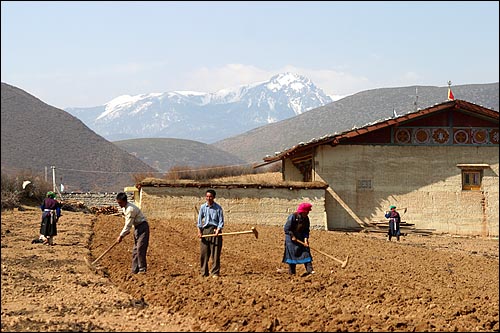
(472, 176)
(475, 184)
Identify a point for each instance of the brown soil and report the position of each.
(422, 283)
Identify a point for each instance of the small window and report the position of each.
(471, 180)
(364, 184)
(472, 175)
(306, 170)
(305, 166)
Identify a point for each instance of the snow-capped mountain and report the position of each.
(204, 117)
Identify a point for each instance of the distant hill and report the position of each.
(352, 111)
(36, 135)
(165, 153)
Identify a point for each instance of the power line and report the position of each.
(141, 171)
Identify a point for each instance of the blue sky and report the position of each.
(85, 53)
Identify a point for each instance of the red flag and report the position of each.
(450, 95)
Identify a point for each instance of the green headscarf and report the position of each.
(51, 194)
(392, 206)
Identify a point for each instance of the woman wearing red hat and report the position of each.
(297, 226)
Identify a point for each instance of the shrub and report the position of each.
(10, 200)
(211, 172)
(13, 193)
(138, 177)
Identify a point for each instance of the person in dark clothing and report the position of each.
(297, 226)
(394, 223)
(134, 217)
(51, 211)
(210, 221)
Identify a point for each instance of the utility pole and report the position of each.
(45, 173)
(53, 178)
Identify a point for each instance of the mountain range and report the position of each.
(203, 117)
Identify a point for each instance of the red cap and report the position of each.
(304, 207)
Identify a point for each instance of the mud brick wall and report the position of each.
(264, 206)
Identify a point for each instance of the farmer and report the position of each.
(297, 227)
(394, 221)
(135, 217)
(51, 209)
(210, 221)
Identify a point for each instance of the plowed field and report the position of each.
(422, 283)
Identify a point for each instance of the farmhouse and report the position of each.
(439, 164)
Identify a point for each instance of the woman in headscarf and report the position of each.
(51, 209)
(394, 223)
(297, 227)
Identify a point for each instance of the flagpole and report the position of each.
(450, 93)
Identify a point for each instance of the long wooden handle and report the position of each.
(102, 255)
(230, 233)
(323, 253)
